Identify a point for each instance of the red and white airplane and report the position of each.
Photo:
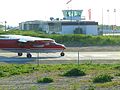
(27, 44)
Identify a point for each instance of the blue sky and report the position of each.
(16, 11)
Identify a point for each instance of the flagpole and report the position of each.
(115, 18)
(89, 13)
(102, 21)
(68, 1)
(108, 18)
(70, 9)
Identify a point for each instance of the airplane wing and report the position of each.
(22, 40)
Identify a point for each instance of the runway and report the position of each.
(70, 57)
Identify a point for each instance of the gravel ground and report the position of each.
(28, 82)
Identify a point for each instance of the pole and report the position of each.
(114, 26)
(78, 58)
(37, 64)
(5, 26)
(108, 18)
(38, 59)
(115, 19)
(102, 21)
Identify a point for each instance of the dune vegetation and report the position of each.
(88, 74)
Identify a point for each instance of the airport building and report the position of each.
(71, 23)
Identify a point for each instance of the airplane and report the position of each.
(27, 44)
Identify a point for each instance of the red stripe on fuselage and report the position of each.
(13, 43)
(8, 43)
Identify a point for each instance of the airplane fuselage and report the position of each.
(26, 44)
(36, 46)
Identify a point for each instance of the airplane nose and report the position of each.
(64, 46)
(61, 45)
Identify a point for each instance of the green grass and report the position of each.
(17, 69)
(54, 73)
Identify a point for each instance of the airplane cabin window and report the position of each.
(52, 43)
(47, 43)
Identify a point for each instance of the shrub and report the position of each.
(102, 78)
(74, 72)
(91, 87)
(45, 80)
(15, 72)
(117, 74)
(3, 74)
(117, 67)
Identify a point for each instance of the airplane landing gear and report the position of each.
(62, 54)
(20, 54)
(29, 55)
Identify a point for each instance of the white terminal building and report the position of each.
(71, 23)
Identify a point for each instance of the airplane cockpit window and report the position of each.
(53, 43)
(47, 43)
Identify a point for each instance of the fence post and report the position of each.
(38, 59)
(78, 57)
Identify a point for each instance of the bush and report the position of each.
(91, 87)
(45, 80)
(3, 74)
(74, 72)
(117, 67)
(102, 78)
(117, 74)
(80, 39)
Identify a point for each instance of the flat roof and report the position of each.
(73, 22)
(64, 22)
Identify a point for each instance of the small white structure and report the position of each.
(71, 21)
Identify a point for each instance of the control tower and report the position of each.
(72, 14)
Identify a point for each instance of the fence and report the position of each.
(69, 58)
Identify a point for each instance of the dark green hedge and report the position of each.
(71, 39)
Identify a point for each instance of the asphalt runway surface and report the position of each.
(55, 58)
